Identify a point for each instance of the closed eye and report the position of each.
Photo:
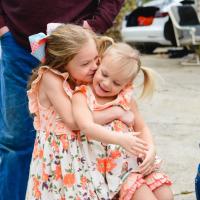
(86, 63)
(117, 84)
(104, 74)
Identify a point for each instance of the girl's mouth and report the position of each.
(103, 89)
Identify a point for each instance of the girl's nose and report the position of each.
(94, 66)
(106, 84)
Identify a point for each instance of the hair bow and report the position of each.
(38, 42)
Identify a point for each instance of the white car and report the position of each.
(149, 26)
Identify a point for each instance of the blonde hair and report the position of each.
(64, 43)
(128, 59)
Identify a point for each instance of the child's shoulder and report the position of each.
(49, 74)
(51, 78)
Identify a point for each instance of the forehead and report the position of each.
(114, 69)
(88, 50)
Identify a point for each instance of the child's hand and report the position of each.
(127, 117)
(147, 165)
(133, 144)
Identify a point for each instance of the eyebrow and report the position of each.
(87, 60)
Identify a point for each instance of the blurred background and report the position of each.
(147, 25)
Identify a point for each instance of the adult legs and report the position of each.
(16, 130)
(197, 184)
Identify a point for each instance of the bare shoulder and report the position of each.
(51, 80)
(51, 85)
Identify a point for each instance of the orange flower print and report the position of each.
(58, 173)
(110, 164)
(101, 165)
(119, 126)
(36, 191)
(47, 133)
(83, 181)
(37, 194)
(35, 182)
(115, 154)
(45, 176)
(69, 180)
(64, 142)
(41, 152)
(55, 146)
(83, 89)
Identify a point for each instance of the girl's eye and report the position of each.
(84, 64)
(104, 74)
(117, 84)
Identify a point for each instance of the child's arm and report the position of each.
(84, 119)
(140, 126)
(112, 113)
(52, 85)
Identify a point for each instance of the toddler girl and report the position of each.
(130, 175)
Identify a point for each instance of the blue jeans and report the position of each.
(197, 184)
(16, 130)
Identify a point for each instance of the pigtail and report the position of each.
(103, 42)
(149, 82)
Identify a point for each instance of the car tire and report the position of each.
(146, 48)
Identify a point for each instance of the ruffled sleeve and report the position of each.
(33, 98)
(125, 96)
(33, 103)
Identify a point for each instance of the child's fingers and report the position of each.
(136, 133)
(141, 147)
(147, 171)
(138, 151)
(142, 142)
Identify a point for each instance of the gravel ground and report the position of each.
(173, 114)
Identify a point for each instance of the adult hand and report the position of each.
(133, 144)
(86, 25)
(147, 165)
(3, 30)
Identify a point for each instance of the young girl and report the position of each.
(59, 169)
(112, 86)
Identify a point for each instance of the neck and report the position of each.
(71, 83)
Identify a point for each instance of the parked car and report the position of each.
(149, 25)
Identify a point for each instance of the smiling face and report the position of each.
(110, 79)
(84, 64)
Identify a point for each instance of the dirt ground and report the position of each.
(173, 114)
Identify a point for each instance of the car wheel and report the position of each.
(146, 48)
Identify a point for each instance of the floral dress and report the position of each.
(119, 168)
(58, 170)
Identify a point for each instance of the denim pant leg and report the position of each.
(16, 130)
(197, 184)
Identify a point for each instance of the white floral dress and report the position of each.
(119, 168)
(58, 168)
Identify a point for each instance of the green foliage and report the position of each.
(114, 32)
